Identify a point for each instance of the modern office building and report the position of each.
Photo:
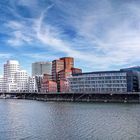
(64, 63)
(10, 69)
(57, 65)
(68, 62)
(21, 78)
(61, 70)
(32, 87)
(104, 81)
(40, 68)
(1, 83)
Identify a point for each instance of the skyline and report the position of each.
(104, 35)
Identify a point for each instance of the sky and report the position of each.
(99, 34)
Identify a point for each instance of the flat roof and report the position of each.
(98, 72)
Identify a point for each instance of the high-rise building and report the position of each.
(64, 63)
(57, 65)
(10, 69)
(68, 62)
(62, 69)
(40, 68)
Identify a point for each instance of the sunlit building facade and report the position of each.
(102, 82)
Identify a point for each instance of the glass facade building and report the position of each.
(106, 81)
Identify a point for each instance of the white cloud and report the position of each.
(113, 37)
(5, 55)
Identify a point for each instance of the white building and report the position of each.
(15, 79)
(21, 78)
(1, 83)
(10, 69)
(32, 84)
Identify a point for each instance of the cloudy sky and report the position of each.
(99, 34)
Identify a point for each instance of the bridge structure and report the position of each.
(130, 97)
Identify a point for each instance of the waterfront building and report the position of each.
(62, 80)
(76, 70)
(136, 68)
(68, 62)
(48, 86)
(38, 81)
(32, 84)
(64, 74)
(40, 68)
(21, 77)
(104, 81)
(10, 69)
(64, 86)
(11, 87)
(57, 65)
(1, 83)
(64, 63)
(61, 70)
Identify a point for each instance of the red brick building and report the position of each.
(61, 70)
(49, 86)
(64, 86)
(63, 74)
(68, 62)
(76, 70)
(57, 65)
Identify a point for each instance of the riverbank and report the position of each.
(106, 98)
(80, 97)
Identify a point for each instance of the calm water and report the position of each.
(34, 120)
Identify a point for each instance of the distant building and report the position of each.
(136, 68)
(64, 86)
(49, 86)
(1, 83)
(38, 81)
(64, 74)
(62, 69)
(104, 81)
(68, 62)
(21, 78)
(10, 69)
(64, 63)
(62, 83)
(76, 70)
(32, 87)
(57, 65)
(40, 68)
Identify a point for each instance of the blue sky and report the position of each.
(99, 34)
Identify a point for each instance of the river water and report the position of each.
(35, 120)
